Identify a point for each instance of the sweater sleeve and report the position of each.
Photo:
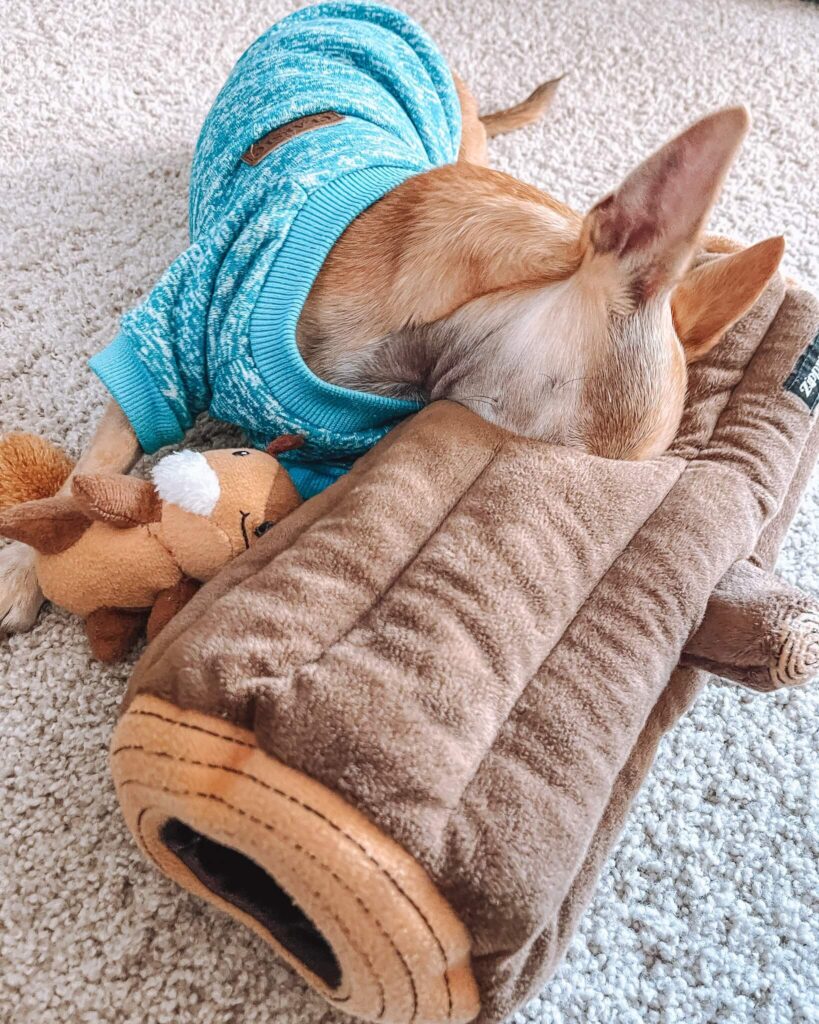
(156, 367)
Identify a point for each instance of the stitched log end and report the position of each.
(758, 631)
(343, 904)
(797, 660)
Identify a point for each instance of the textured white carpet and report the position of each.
(708, 911)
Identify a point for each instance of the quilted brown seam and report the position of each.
(729, 400)
(687, 463)
(398, 575)
(544, 661)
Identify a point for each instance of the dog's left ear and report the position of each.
(712, 297)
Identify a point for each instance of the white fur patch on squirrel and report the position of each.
(187, 480)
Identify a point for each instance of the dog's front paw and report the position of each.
(20, 594)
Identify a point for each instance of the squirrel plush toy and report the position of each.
(126, 554)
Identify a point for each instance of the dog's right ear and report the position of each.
(652, 222)
(50, 525)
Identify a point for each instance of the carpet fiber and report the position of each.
(708, 909)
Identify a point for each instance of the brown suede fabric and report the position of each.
(470, 637)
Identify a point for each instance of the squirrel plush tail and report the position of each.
(30, 469)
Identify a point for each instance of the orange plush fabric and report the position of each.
(116, 545)
(30, 468)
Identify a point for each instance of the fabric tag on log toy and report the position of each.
(804, 381)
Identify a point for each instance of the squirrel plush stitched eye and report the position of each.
(262, 528)
(242, 451)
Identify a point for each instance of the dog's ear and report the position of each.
(122, 501)
(50, 525)
(712, 297)
(652, 222)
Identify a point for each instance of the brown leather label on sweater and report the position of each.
(285, 132)
(804, 381)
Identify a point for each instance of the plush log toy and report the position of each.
(126, 554)
(399, 735)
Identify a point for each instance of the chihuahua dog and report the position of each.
(463, 283)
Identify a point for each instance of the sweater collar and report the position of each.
(272, 328)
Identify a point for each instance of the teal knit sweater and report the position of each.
(218, 332)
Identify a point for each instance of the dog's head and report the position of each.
(597, 356)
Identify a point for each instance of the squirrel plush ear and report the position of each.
(122, 501)
(50, 525)
(284, 443)
(282, 497)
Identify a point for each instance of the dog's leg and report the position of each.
(113, 449)
(473, 133)
(476, 129)
(20, 594)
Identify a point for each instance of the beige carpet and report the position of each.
(708, 910)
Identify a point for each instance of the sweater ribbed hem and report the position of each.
(122, 372)
(272, 328)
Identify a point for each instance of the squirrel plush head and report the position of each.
(205, 508)
(125, 553)
(215, 504)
